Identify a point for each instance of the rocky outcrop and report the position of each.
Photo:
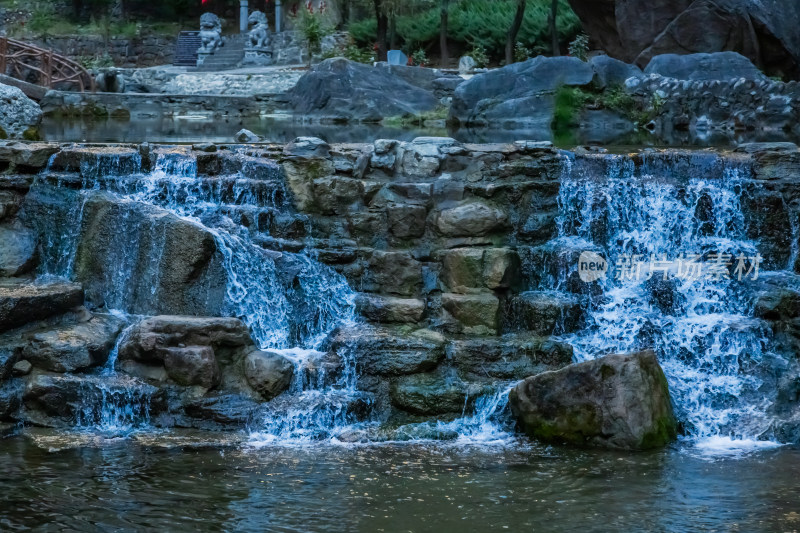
(616, 401)
(338, 89)
(518, 95)
(703, 67)
(635, 31)
(19, 115)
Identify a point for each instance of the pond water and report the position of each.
(282, 130)
(79, 482)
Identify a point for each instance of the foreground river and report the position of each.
(58, 482)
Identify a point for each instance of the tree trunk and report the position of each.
(554, 29)
(443, 34)
(514, 30)
(393, 33)
(383, 23)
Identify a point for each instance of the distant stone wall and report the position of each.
(130, 53)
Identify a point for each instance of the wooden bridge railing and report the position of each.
(24, 61)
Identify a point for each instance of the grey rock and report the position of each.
(344, 90)
(466, 65)
(507, 357)
(307, 147)
(387, 352)
(610, 72)
(18, 113)
(73, 347)
(192, 365)
(519, 94)
(435, 393)
(21, 368)
(635, 31)
(246, 136)
(22, 303)
(470, 219)
(268, 373)
(17, 250)
(716, 66)
(616, 401)
(149, 340)
(390, 309)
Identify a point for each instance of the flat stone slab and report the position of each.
(22, 303)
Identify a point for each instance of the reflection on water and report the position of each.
(159, 484)
(200, 129)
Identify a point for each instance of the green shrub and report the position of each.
(478, 53)
(579, 47)
(420, 58)
(477, 22)
(521, 52)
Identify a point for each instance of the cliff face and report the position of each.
(636, 31)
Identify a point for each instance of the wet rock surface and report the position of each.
(616, 401)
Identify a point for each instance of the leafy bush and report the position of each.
(579, 47)
(478, 53)
(521, 52)
(477, 22)
(352, 52)
(420, 58)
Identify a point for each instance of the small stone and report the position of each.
(21, 368)
(466, 65)
(246, 136)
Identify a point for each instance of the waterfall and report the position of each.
(702, 328)
(289, 301)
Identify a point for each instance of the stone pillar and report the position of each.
(277, 16)
(243, 14)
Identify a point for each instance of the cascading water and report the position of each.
(292, 317)
(701, 327)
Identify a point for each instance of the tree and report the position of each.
(516, 24)
(383, 25)
(553, 28)
(443, 33)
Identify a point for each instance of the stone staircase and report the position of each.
(228, 57)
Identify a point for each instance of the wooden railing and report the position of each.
(42, 67)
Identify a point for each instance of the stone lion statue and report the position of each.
(210, 33)
(259, 34)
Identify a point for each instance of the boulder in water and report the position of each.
(19, 115)
(268, 373)
(246, 136)
(610, 72)
(616, 401)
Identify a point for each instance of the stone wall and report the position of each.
(147, 51)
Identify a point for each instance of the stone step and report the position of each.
(22, 302)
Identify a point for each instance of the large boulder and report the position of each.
(610, 72)
(129, 255)
(617, 401)
(702, 67)
(520, 94)
(339, 89)
(19, 115)
(765, 31)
